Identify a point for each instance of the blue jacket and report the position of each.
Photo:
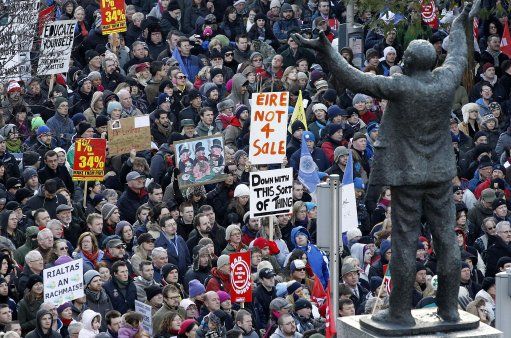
(87, 264)
(118, 300)
(316, 258)
(60, 125)
(180, 257)
(318, 156)
(282, 27)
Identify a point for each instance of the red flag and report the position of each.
(318, 293)
(505, 43)
(429, 13)
(387, 279)
(330, 317)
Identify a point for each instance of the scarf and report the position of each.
(385, 202)
(491, 81)
(13, 146)
(122, 284)
(66, 322)
(92, 257)
(96, 296)
(164, 130)
(83, 30)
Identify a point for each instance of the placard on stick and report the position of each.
(89, 161)
(113, 16)
(128, 133)
(268, 128)
(56, 45)
(271, 192)
(241, 290)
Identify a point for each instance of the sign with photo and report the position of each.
(200, 160)
(129, 133)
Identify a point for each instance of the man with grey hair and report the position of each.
(74, 329)
(500, 248)
(159, 258)
(45, 244)
(128, 108)
(34, 265)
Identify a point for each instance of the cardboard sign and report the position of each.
(63, 283)
(271, 192)
(201, 160)
(268, 127)
(56, 46)
(128, 133)
(145, 311)
(16, 39)
(113, 16)
(89, 161)
(241, 284)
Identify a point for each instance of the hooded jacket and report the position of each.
(27, 313)
(90, 113)
(237, 82)
(100, 303)
(279, 334)
(40, 201)
(87, 318)
(38, 331)
(316, 258)
(18, 237)
(20, 253)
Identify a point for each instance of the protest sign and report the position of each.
(16, 39)
(268, 127)
(63, 283)
(145, 311)
(56, 46)
(271, 192)
(241, 290)
(89, 160)
(113, 16)
(128, 133)
(200, 160)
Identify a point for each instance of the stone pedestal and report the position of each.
(363, 327)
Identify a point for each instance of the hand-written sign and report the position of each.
(63, 283)
(113, 16)
(145, 311)
(241, 284)
(89, 161)
(271, 192)
(56, 45)
(268, 127)
(128, 133)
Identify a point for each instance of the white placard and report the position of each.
(142, 121)
(268, 127)
(63, 283)
(56, 46)
(145, 311)
(271, 192)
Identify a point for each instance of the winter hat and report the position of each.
(230, 229)
(255, 54)
(120, 226)
(13, 87)
(464, 265)
(503, 261)
(261, 243)
(321, 85)
(240, 109)
(275, 3)
(241, 190)
(486, 66)
(168, 268)
(296, 264)
(359, 135)
(302, 76)
(185, 325)
(113, 105)
(375, 283)
(488, 282)
(310, 206)
(330, 95)
(497, 203)
(43, 130)
(227, 103)
(388, 50)
(101, 121)
(316, 75)
(32, 280)
(145, 237)
(353, 233)
(297, 125)
(385, 246)
(82, 128)
(371, 53)
(358, 98)
(302, 231)
(215, 71)
(286, 7)
(293, 286)
(195, 288)
(419, 267)
(347, 268)
(64, 306)
(309, 136)
(107, 210)
(359, 183)
(63, 260)
(373, 126)
(333, 128)
(77, 118)
(152, 291)
(222, 260)
(207, 88)
(223, 296)
(90, 54)
(319, 106)
(36, 123)
(185, 303)
(28, 173)
(302, 303)
(59, 101)
(281, 290)
(23, 193)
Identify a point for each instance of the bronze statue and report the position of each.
(414, 155)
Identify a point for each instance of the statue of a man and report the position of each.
(414, 156)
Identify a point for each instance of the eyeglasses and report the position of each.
(63, 248)
(122, 246)
(258, 60)
(229, 54)
(301, 269)
(180, 77)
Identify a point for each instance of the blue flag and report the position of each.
(177, 56)
(308, 171)
(349, 216)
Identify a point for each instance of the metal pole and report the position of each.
(503, 303)
(350, 19)
(334, 247)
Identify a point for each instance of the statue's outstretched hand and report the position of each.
(472, 8)
(317, 44)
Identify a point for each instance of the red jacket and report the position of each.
(219, 281)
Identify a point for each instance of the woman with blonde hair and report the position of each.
(290, 77)
(471, 119)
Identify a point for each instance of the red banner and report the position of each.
(241, 284)
(429, 13)
(113, 16)
(89, 164)
(45, 16)
(505, 43)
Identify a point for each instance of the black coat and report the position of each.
(39, 201)
(262, 299)
(128, 204)
(493, 254)
(120, 302)
(62, 174)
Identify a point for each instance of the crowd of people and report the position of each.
(191, 66)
